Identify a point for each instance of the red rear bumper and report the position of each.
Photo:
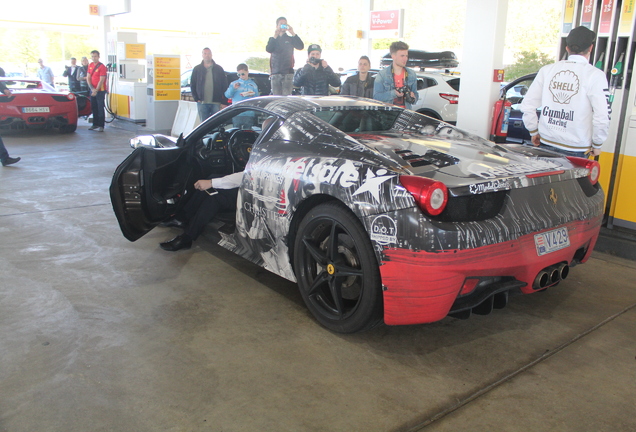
(421, 287)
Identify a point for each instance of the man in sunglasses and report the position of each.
(243, 88)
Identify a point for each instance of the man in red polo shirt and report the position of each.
(96, 79)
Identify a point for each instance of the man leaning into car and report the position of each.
(396, 83)
(211, 197)
(208, 84)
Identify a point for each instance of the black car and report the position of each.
(378, 212)
(425, 59)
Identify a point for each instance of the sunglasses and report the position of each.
(241, 73)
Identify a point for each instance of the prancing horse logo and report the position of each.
(553, 196)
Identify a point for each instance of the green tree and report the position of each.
(527, 62)
(258, 64)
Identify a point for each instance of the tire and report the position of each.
(69, 128)
(337, 271)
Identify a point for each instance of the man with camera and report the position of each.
(72, 73)
(281, 63)
(396, 83)
(316, 76)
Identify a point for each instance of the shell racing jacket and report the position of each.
(573, 99)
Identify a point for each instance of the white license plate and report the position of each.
(551, 241)
(35, 109)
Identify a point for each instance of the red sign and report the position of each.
(498, 75)
(385, 20)
(586, 13)
(607, 9)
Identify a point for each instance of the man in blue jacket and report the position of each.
(392, 82)
(207, 84)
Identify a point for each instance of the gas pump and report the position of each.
(126, 65)
(614, 51)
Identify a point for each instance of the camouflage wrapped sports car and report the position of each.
(379, 213)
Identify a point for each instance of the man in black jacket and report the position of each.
(316, 76)
(208, 84)
(72, 73)
(5, 159)
(281, 63)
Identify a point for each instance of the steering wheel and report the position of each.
(240, 146)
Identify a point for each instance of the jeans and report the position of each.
(97, 104)
(563, 152)
(207, 109)
(282, 84)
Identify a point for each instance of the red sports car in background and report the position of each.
(36, 105)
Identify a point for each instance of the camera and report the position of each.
(406, 92)
(284, 26)
(314, 60)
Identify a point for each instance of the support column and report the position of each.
(367, 6)
(484, 36)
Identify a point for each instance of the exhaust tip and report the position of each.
(564, 271)
(541, 281)
(555, 275)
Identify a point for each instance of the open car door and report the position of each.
(148, 187)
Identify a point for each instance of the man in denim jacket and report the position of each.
(396, 76)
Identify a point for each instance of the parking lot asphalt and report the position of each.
(100, 334)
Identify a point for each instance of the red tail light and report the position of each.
(593, 166)
(431, 196)
(70, 96)
(452, 98)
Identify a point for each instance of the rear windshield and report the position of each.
(357, 120)
(454, 83)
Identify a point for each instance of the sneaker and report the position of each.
(92, 127)
(10, 161)
(100, 129)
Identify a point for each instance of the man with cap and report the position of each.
(316, 76)
(573, 99)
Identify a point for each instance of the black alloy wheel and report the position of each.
(337, 270)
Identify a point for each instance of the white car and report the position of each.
(439, 95)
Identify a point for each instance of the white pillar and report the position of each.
(484, 35)
(367, 7)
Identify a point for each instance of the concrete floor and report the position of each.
(100, 334)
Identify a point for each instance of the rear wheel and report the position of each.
(337, 270)
(69, 128)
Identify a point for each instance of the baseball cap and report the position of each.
(313, 47)
(580, 39)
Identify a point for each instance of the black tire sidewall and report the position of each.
(370, 307)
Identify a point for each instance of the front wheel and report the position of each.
(337, 270)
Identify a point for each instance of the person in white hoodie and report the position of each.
(573, 99)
